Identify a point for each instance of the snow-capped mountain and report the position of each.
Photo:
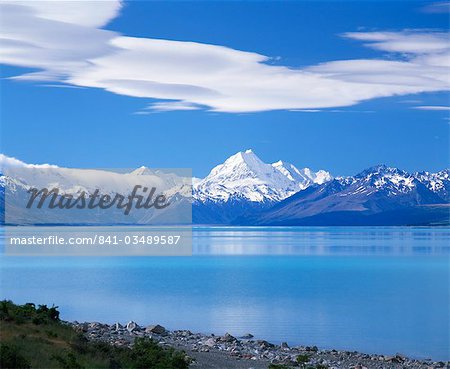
(71, 181)
(244, 185)
(142, 171)
(245, 190)
(245, 177)
(18, 178)
(379, 195)
(303, 177)
(437, 182)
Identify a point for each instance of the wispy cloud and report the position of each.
(411, 42)
(307, 110)
(437, 7)
(410, 101)
(432, 107)
(69, 47)
(62, 86)
(331, 111)
(173, 105)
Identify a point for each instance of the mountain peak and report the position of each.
(391, 180)
(304, 177)
(245, 175)
(380, 169)
(142, 171)
(248, 154)
(247, 157)
(279, 163)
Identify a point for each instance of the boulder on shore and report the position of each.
(228, 338)
(132, 326)
(156, 329)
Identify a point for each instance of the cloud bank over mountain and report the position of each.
(67, 44)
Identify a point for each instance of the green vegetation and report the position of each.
(11, 358)
(34, 337)
(302, 359)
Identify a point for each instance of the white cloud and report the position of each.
(59, 42)
(432, 107)
(10, 162)
(72, 49)
(85, 13)
(437, 7)
(414, 42)
(173, 105)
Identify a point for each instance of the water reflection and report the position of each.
(321, 241)
(382, 290)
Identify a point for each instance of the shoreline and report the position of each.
(229, 352)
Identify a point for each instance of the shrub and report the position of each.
(302, 359)
(10, 358)
(68, 362)
(72, 350)
(148, 355)
(28, 313)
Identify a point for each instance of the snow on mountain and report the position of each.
(16, 178)
(303, 177)
(378, 195)
(142, 171)
(245, 190)
(244, 176)
(394, 181)
(382, 178)
(437, 182)
(72, 181)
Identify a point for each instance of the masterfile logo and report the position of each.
(65, 196)
(62, 211)
(95, 200)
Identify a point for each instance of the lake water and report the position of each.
(377, 290)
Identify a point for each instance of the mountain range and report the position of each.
(246, 191)
(17, 178)
(377, 196)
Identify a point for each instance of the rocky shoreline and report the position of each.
(229, 352)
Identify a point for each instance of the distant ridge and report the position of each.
(377, 196)
(246, 191)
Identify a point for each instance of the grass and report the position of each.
(34, 337)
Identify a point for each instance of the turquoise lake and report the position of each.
(376, 290)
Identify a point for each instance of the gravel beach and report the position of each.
(229, 352)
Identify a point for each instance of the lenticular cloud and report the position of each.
(68, 47)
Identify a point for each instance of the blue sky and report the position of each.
(265, 85)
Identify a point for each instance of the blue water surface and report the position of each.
(377, 290)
